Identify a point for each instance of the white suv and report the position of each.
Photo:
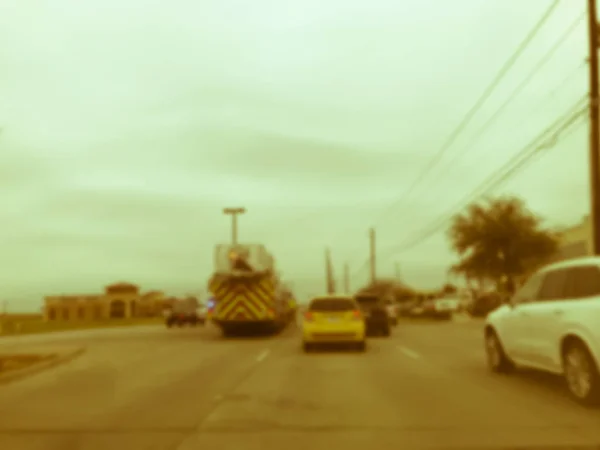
(552, 324)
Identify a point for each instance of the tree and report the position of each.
(500, 240)
(449, 288)
(384, 286)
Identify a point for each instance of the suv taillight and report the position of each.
(308, 316)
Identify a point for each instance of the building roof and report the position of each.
(122, 284)
(151, 293)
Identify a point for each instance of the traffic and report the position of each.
(549, 324)
(348, 369)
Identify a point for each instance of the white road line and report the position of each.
(260, 357)
(263, 355)
(410, 353)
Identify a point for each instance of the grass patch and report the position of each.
(20, 361)
(23, 317)
(11, 326)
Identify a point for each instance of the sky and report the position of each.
(128, 125)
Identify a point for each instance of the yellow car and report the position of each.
(333, 319)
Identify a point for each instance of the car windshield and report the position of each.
(332, 304)
(227, 224)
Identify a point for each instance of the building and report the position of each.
(576, 241)
(119, 300)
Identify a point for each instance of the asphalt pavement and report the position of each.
(156, 389)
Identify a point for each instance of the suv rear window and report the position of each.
(367, 299)
(332, 304)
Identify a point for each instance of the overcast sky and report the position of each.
(128, 125)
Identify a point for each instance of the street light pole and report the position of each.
(233, 212)
(346, 278)
(373, 255)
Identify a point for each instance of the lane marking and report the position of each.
(263, 355)
(410, 353)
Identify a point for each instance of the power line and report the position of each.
(466, 120)
(479, 103)
(548, 138)
(560, 85)
(513, 95)
(518, 165)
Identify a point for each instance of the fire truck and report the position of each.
(247, 292)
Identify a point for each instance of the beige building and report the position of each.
(576, 241)
(573, 242)
(120, 300)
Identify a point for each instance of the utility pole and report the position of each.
(373, 254)
(346, 278)
(233, 212)
(3, 316)
(329, 281)
(397, 269)
(594, 125)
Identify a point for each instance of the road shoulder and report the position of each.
(49, 358)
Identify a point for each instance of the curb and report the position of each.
(42, 366)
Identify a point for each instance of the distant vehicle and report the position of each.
(376, 315)
(413, 308)
(418, 309)
(202, 314)
(333, 319)
(392, 311)
(552, 324)
(391, 307)
(405, 307)
(185, 312)
(431, 307)
(483, 304)
(444, 308)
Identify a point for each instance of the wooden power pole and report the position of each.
(329, 280)
(373, 254)
(234, 212)
(397, 270)
(346, 278)
(594, 126)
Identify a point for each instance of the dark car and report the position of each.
(182, 316)
(376, 315)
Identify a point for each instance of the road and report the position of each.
(158, 389)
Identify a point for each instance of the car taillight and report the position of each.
(357, 315)
(308, 316)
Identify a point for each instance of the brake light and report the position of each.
(357, 314)
(308, 316)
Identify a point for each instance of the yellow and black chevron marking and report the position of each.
(243, 298)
